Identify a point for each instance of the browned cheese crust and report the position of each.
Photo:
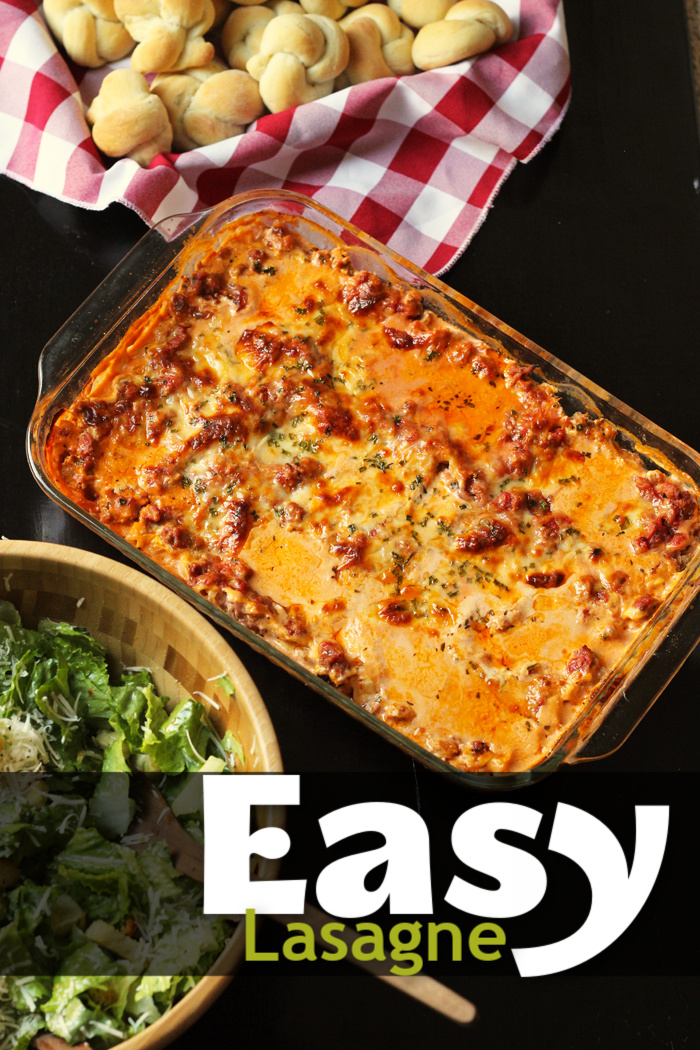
(393, 503)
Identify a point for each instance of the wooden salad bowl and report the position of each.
(141, 623)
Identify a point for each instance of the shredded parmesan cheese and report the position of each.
(194, 750)
(107, 1029)
(23, 747)
(41, 906)
(207, 698)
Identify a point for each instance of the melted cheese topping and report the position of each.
(392, 502)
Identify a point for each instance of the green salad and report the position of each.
(76, 900)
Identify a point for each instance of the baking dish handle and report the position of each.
(609, 732)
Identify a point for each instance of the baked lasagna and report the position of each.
(393, 502)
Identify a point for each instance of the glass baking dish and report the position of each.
(95, 329)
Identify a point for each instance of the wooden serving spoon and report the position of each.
(155, 820)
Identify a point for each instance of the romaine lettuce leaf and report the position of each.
(181, 742)
(16, 957)
(57, 677)
(110, 807)
(86, 661)
(98, 874)
(27, 1028)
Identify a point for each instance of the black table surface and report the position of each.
(590, 250)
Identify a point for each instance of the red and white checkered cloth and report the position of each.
(415, 161)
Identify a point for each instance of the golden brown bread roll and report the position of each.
(222, 9)
(89, 30)
(330, 8)
(300, 56)
(470, 27)
(285, 6)
(418, 13)
(280, 7)
(208, 104)
(127, 120)
(380, 45)
(170, 33)
(245, 26)
(327, 8)
(243, 32)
